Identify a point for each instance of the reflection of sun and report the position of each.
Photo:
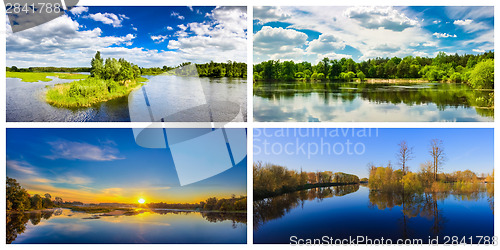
(141, 200)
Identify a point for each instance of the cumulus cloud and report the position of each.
(64, 42)
(159, 38)
(379, 17)
(325, 43)
(479, 50)
(443, 35)
(71, 150)
(267, 14)
(108, 18)
(269, 38)
(462, 22)
(78, 10)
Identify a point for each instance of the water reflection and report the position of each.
(371, 102)
(26, 100)
(314, 213)
(276, 207)
(64, 224)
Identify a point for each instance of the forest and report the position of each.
(18, 199)
(271, 180)
(211, 69)
(211, 204)
(475, 70)
(429, 178)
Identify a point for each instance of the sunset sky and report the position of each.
(464, 148)
(106, 165)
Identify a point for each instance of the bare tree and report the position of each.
(437, 154)
(404, 155)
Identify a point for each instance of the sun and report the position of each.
(141, 200)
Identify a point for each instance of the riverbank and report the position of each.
(43, 76)
(259, 195)
(90, 91)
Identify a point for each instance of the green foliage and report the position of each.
(85, 93)
(445, 68)
(17, 197)
(19, 200)
(482, 75)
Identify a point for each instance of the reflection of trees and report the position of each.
(16, 223)
(443, 95)
(213, 217)
(276, 207)
(423, 205)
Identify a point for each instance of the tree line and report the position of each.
(213, 203)
(270, 179)
(18, 199)
(474, 69)
(120, 69)
(48, 69)
(428, 179)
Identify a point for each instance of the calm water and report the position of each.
(345, 102)
(158, 226)
(353, 210)
(25, 101)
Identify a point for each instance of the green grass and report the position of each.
(87, 92)
(42, 76)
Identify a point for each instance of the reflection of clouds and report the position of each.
(330, 108)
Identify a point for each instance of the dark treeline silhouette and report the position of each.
(18, 199)
(211, 204)
(276, 207)
(271, 180)
(474, 69)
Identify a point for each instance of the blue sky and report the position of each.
(106, 165)
(361, 33)
(150, 36)
(465, 148)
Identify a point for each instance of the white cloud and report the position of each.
(169, 28)
(380, 17)
(436, 21)
(443, 35)
(108, 18)
(463, 22)
(64, 42)
(78, 10)
(176, 14)
(159, 38)
(267, 14)
(21, 166)
(191, 8)
(479, 50)
(325, 43)
(71, 150)
(269, 38)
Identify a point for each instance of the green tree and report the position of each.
(96, 66)
(17, 197)
(482, 76)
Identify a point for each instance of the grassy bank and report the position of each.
(262, 194)
(43, 76)
(85, 93)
